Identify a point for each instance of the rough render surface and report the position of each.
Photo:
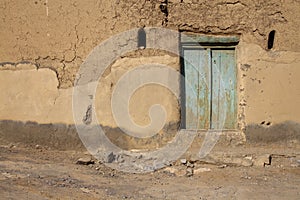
(143, 98)
(59, 35)
(33, 96)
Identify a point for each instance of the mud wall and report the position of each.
(43, 44)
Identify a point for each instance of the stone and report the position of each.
(7, 175)
(111, 157)
(239, 161)
(262, 160)
(222, 166)
(246, 162)
(170, 170)
(249, 157)
(228, 160)
(201, 170)
(183, 161)
(85, 161)
(175, 171)
(189, 172)
(189, 164)
(85, 190)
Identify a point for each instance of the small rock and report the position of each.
(239, 161)
(170, 170)
(7, 175)
(38, 146)
(121, 159)
(99, 162)
(190, 164)
(246, 177)
(85, 190)
(85, 161)
(218, 187)
(183, 161)
(189, 172)
(222, 166)
(201, 170)
(262, 160)
(175, 171)
(111, 157)
(111, 174)
(246, 162)
(249, 157)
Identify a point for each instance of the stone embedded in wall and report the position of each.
(245, 67)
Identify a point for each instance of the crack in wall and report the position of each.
(75, 30)
(15, 64)
(234, 3)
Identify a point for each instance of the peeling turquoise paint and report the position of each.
(210, 88)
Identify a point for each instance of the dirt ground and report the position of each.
(41, 173)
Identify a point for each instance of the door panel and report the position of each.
(197, 88)
(223, 115)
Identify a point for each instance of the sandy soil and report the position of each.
(40, 173)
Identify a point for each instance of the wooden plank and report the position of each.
(204, 90)
(216, 75)
(191, 88)
(206, 39)
(197, 90)
(223, 115)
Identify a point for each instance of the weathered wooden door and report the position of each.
(197, 88)
(210, 88)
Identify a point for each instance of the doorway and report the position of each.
(209, 89)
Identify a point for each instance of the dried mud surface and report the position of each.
(60, 34)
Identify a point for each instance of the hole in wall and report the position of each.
(266, 123)
(141, 39)
(271, 39)
(164, 7)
